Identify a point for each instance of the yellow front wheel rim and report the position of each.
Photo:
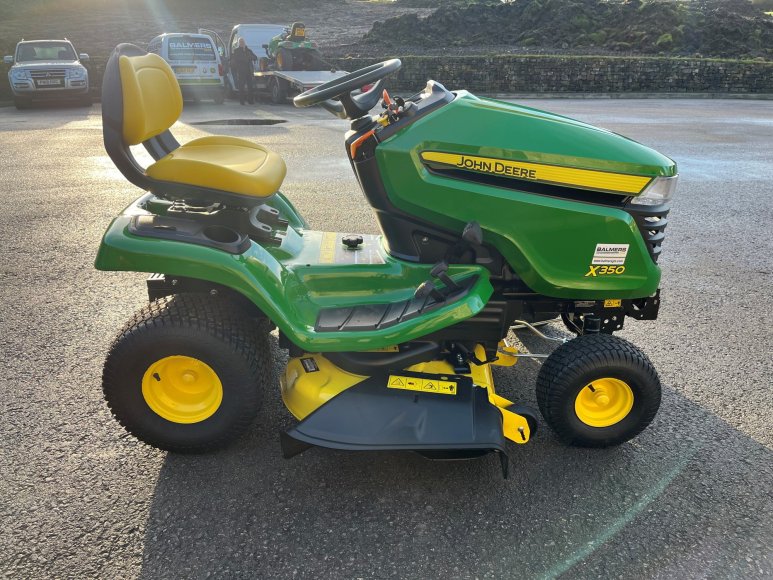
(604, 402)
(182, 389)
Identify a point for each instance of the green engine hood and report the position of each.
(500, 130)
(549, 237)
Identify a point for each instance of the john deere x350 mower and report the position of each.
(492, 214)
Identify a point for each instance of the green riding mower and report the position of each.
(492, 215)
(291, 50)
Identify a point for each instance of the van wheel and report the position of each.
(278, 92)
(185, 373)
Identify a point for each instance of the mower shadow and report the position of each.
(246, 512)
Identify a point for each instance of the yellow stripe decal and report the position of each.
(327, 248)
(586, 178)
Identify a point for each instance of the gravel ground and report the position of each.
(691, 497)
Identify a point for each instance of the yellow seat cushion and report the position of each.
(224, 163)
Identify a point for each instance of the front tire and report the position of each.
(598, 390)
(184, 373)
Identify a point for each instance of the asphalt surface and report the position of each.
(691, 497)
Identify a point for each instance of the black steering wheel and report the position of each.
(336, 95)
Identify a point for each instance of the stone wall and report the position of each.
(534, 74)
(558, 74)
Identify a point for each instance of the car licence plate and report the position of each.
(185, 69)
(49, 82)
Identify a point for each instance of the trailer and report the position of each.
(279, 85)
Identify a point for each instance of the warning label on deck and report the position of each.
(610, 254)
(424, 385)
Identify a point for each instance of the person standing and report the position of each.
(243, 59)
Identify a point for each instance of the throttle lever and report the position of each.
(439, 271)
(427, 288)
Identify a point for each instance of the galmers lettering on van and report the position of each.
(189, 44)
(610, 254)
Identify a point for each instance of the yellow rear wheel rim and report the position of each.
(182, 389)
(604, 402)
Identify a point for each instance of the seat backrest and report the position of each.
(140, 101)
(298, 32)
(152, 100)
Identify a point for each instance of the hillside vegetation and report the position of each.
(96, 26)
(709, 28)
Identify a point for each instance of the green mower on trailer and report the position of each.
(491, 214)
(291, 50)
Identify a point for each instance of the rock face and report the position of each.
(709, 28)
(573, 74)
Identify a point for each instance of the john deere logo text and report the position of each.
(555, 174)
(497, 167)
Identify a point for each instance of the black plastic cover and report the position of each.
(371, 416)
(190, 231)
(377, 316)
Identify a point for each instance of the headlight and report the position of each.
(19, 75)
(658, 192)
(76, 73)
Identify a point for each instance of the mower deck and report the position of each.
(426, 408)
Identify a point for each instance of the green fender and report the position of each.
(290, 284)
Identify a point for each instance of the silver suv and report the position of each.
(45, 70)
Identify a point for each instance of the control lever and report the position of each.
(473, 235)
(428, 289)
(439, 271)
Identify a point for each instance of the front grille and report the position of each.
(52, 73)
(651, 220)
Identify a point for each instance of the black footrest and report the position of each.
(378, 316)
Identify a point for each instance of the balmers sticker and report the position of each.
(610, 254)
(572, 176)
(608, 260)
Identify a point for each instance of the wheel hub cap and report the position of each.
(182, 389)
(604, 402)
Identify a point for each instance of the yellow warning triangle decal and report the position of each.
(397, 382)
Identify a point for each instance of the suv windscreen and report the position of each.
(40, 51)
(191, 48)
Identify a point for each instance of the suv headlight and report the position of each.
(19, 75)
(658, 192)
(76, 73)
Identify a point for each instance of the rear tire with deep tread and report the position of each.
(285, 59)
(587, 358)
(211, 329)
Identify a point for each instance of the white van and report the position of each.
(196, 62)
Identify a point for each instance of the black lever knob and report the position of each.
(439, 271)
(352, 241)
(473, 234)
(428, 289)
